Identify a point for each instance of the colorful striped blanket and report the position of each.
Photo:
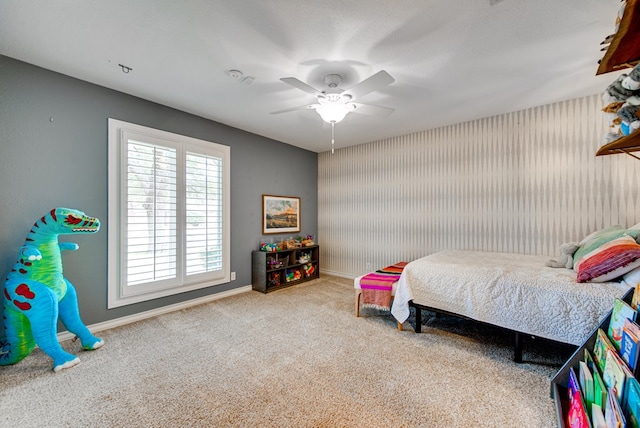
(376, 286)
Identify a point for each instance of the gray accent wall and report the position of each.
(522, 182)
(53, 152)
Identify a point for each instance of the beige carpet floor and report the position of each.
(297, 357)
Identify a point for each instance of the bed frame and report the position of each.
(517, 342)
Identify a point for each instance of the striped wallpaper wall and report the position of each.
(521, 182)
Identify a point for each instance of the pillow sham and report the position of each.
(632, 277)
(596, 239)
(609, 261)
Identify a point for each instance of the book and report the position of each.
(630, 344)
(599, 390)
(621, 311)
(577, 415)
(632, 403)
(615, 374)
(573, 384)
(585, 377)
(597, 417)
(609, 412)
(619, 414)
(613, 413)
(602, 344)
(635, 300)
(588, 358)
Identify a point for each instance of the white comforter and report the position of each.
(508, 290)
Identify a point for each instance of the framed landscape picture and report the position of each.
(280, 214)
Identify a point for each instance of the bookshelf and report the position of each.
(623, 52)
(273, 270)
(559, 383)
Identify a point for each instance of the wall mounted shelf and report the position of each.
(630, 143)
(623, 52)
(624, 49)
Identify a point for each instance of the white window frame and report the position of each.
(119, 294)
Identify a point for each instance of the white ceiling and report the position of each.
(452, 60)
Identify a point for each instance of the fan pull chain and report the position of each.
(332, 136)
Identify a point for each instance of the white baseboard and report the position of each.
(340, 274)
(65, 335)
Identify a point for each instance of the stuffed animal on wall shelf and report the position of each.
(622, 109)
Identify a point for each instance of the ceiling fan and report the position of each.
(334, 103)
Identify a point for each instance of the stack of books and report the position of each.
(603, 389)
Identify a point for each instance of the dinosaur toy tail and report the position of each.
(16, 340)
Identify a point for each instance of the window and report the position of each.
(168, 213)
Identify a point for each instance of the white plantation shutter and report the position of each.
(203, 213)
(151, 213)
(169, 201)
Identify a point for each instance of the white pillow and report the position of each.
(632, 277)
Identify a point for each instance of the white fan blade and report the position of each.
(373, 110)
(297, 83)
(370, 84)
(307, 107)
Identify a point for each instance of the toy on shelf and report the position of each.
(304, 258)
(293, 275)
(309, 270)
(274, 279)
(307, 241)
(290, 244)
(622, 98)
(269, 247)
(276, 263)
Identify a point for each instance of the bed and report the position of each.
(514, 291)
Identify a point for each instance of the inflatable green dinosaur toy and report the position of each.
(36, 293)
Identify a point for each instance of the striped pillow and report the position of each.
(609, 261)
(600, 237)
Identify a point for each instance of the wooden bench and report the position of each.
(356, 285)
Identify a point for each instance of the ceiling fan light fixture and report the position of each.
(334, 111)
(335, 103)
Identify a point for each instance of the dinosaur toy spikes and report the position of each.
(36, 293)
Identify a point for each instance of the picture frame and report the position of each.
(280, 214)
